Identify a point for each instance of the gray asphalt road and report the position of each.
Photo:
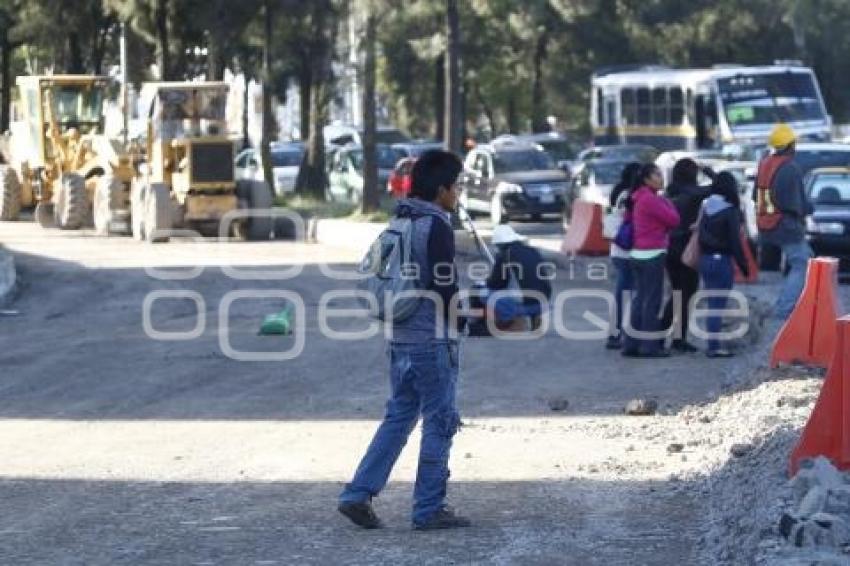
(122, 449)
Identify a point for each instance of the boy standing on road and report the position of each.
(423, 362)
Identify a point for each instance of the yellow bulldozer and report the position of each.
(59, 161)
(188, 179)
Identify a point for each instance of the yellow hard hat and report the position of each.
(781, 136)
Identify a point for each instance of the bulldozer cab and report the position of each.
(187, 147)
(53, 113)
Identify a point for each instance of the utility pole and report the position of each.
(454, 112)
(125, 95)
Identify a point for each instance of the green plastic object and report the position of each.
(277, 323)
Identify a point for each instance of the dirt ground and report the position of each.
(122, 449)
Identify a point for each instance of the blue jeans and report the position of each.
(423, 379)
(508, 309)
(646, 304)
(797, 257)
(624, 283)
(717, 275)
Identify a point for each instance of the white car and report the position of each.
(286, 161)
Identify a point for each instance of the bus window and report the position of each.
(689, 107)
(677, 106)
(659, 106)
(600, 109)
(629, 106)
(644, 107)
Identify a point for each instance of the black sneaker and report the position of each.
(445, 518)
(721, 353)
(684, 347)
(655, 354)
(613, 343)
(361, 514)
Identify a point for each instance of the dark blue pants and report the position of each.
(623, 266)
(649, 287)
(423, 379)
(717, 275)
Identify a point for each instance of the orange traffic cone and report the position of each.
(584, 236)
(828, 431)
(808, 336)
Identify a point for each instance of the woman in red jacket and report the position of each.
(654, 217)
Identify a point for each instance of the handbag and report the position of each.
(625, 238)
(693, 251)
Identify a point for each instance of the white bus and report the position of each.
(691, 109)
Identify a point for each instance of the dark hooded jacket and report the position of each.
(687, 199)
(720, 230)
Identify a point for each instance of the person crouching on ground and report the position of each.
(654, 218)
(423, 363)
(518, 268)
(619, 257)
(720, 243)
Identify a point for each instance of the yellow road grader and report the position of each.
(58, 159)
(188, 179)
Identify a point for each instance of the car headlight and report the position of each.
(504, 187)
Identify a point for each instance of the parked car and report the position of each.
(345, 171)
(415, 148)
(286, 161)
(341, 135)
(828, 229)
(559, 147)
(593, 182)
(511, 178)
(629, 152)
(398, 184)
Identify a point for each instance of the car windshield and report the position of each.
(513, 161)
(770, 98)
(387, 157)
(830, 188)
(807, 159)
(559, 150)
(286, 158)
(607, 173)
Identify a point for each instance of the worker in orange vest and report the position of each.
(781, 210)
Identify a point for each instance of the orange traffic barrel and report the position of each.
(808, 336)
(828, 431)
(584, 236)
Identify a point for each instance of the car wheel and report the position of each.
(497, 210)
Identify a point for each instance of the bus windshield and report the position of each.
(770, 98)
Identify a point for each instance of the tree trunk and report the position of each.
(440, 97)
(305, 86)
(371, 190)
(538, 93)
(6, 73)
(75, 55)
(513, 119)
(163, 59)
(454, 118)
(268, 116)
(312, 177)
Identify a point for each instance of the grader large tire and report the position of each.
(71, 208)
(108, 198)
(44, 215)
(157, 213)
(257, 196)
(10, 193)
(137, 211)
